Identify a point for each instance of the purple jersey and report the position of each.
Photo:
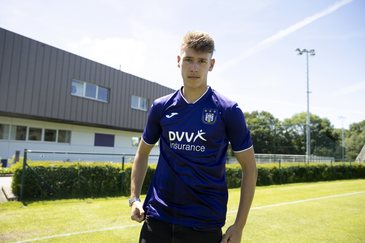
(189, 185)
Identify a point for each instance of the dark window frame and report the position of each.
(104, 140)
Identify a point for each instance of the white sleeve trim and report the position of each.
(146, 142)
(240, 151)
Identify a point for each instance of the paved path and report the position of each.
(5, 185)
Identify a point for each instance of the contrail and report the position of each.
(283, 33)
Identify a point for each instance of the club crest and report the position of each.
(209, 116)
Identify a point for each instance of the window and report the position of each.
(103, 94)
(4, 131)
(64, 136)
(50, 135)
(89, 91)
(139, 103)
(15, 132)
(18, 132)
(77, 88)
(105, 140)
(35, 134)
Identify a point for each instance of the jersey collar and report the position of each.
(187, 102)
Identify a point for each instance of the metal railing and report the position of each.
(272, 158)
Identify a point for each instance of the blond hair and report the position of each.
(198, 41)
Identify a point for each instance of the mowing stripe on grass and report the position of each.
(78, 233)
(302, 201)
(229, 212)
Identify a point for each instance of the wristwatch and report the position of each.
(132, 200)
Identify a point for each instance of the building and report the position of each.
(53, 100)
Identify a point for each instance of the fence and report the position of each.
(272, 158)
(75, 156)
(43, 182)
(68, 156)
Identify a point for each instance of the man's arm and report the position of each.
(139, 170)
(248, 185)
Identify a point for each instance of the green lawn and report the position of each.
(306, 212)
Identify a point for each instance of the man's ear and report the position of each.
(178, 61)
(212, 62)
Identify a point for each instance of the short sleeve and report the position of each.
(237, 131)
(152, 131)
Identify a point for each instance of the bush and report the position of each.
(5, 171)
(271, 174)
(9, 170)
(68, 180)
(81, 180)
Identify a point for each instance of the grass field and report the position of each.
(308, 212)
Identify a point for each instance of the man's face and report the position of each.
(195, 67)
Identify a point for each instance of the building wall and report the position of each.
(36, 79)
(82, 140)
(36, 83)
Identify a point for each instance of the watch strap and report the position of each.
(133, 200)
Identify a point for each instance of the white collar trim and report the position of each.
(182, 95)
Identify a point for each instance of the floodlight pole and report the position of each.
(308, 143)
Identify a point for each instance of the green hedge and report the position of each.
(5, 171)
(69, 180)
(309, 173)
(81, 180)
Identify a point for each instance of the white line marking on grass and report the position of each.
(78, 233)
(229, 212)
(302, 201)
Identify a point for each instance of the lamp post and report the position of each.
(308, 142)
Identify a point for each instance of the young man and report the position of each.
(187, 198)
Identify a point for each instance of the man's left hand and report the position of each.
(232, 235)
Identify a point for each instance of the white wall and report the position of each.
(82, 140)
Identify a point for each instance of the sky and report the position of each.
(256, 62)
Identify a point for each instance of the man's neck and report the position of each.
(192, 95)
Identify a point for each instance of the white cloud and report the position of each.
(128, 54)
(348, 90)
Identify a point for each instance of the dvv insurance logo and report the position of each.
(187, 141)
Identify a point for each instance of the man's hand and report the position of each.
(137, 212)
(232, 235)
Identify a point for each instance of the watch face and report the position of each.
(132, 200)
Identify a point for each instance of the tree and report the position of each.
(324, 140)
(294, 130)
(355, 140)
(264, 128)
(271, 136)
